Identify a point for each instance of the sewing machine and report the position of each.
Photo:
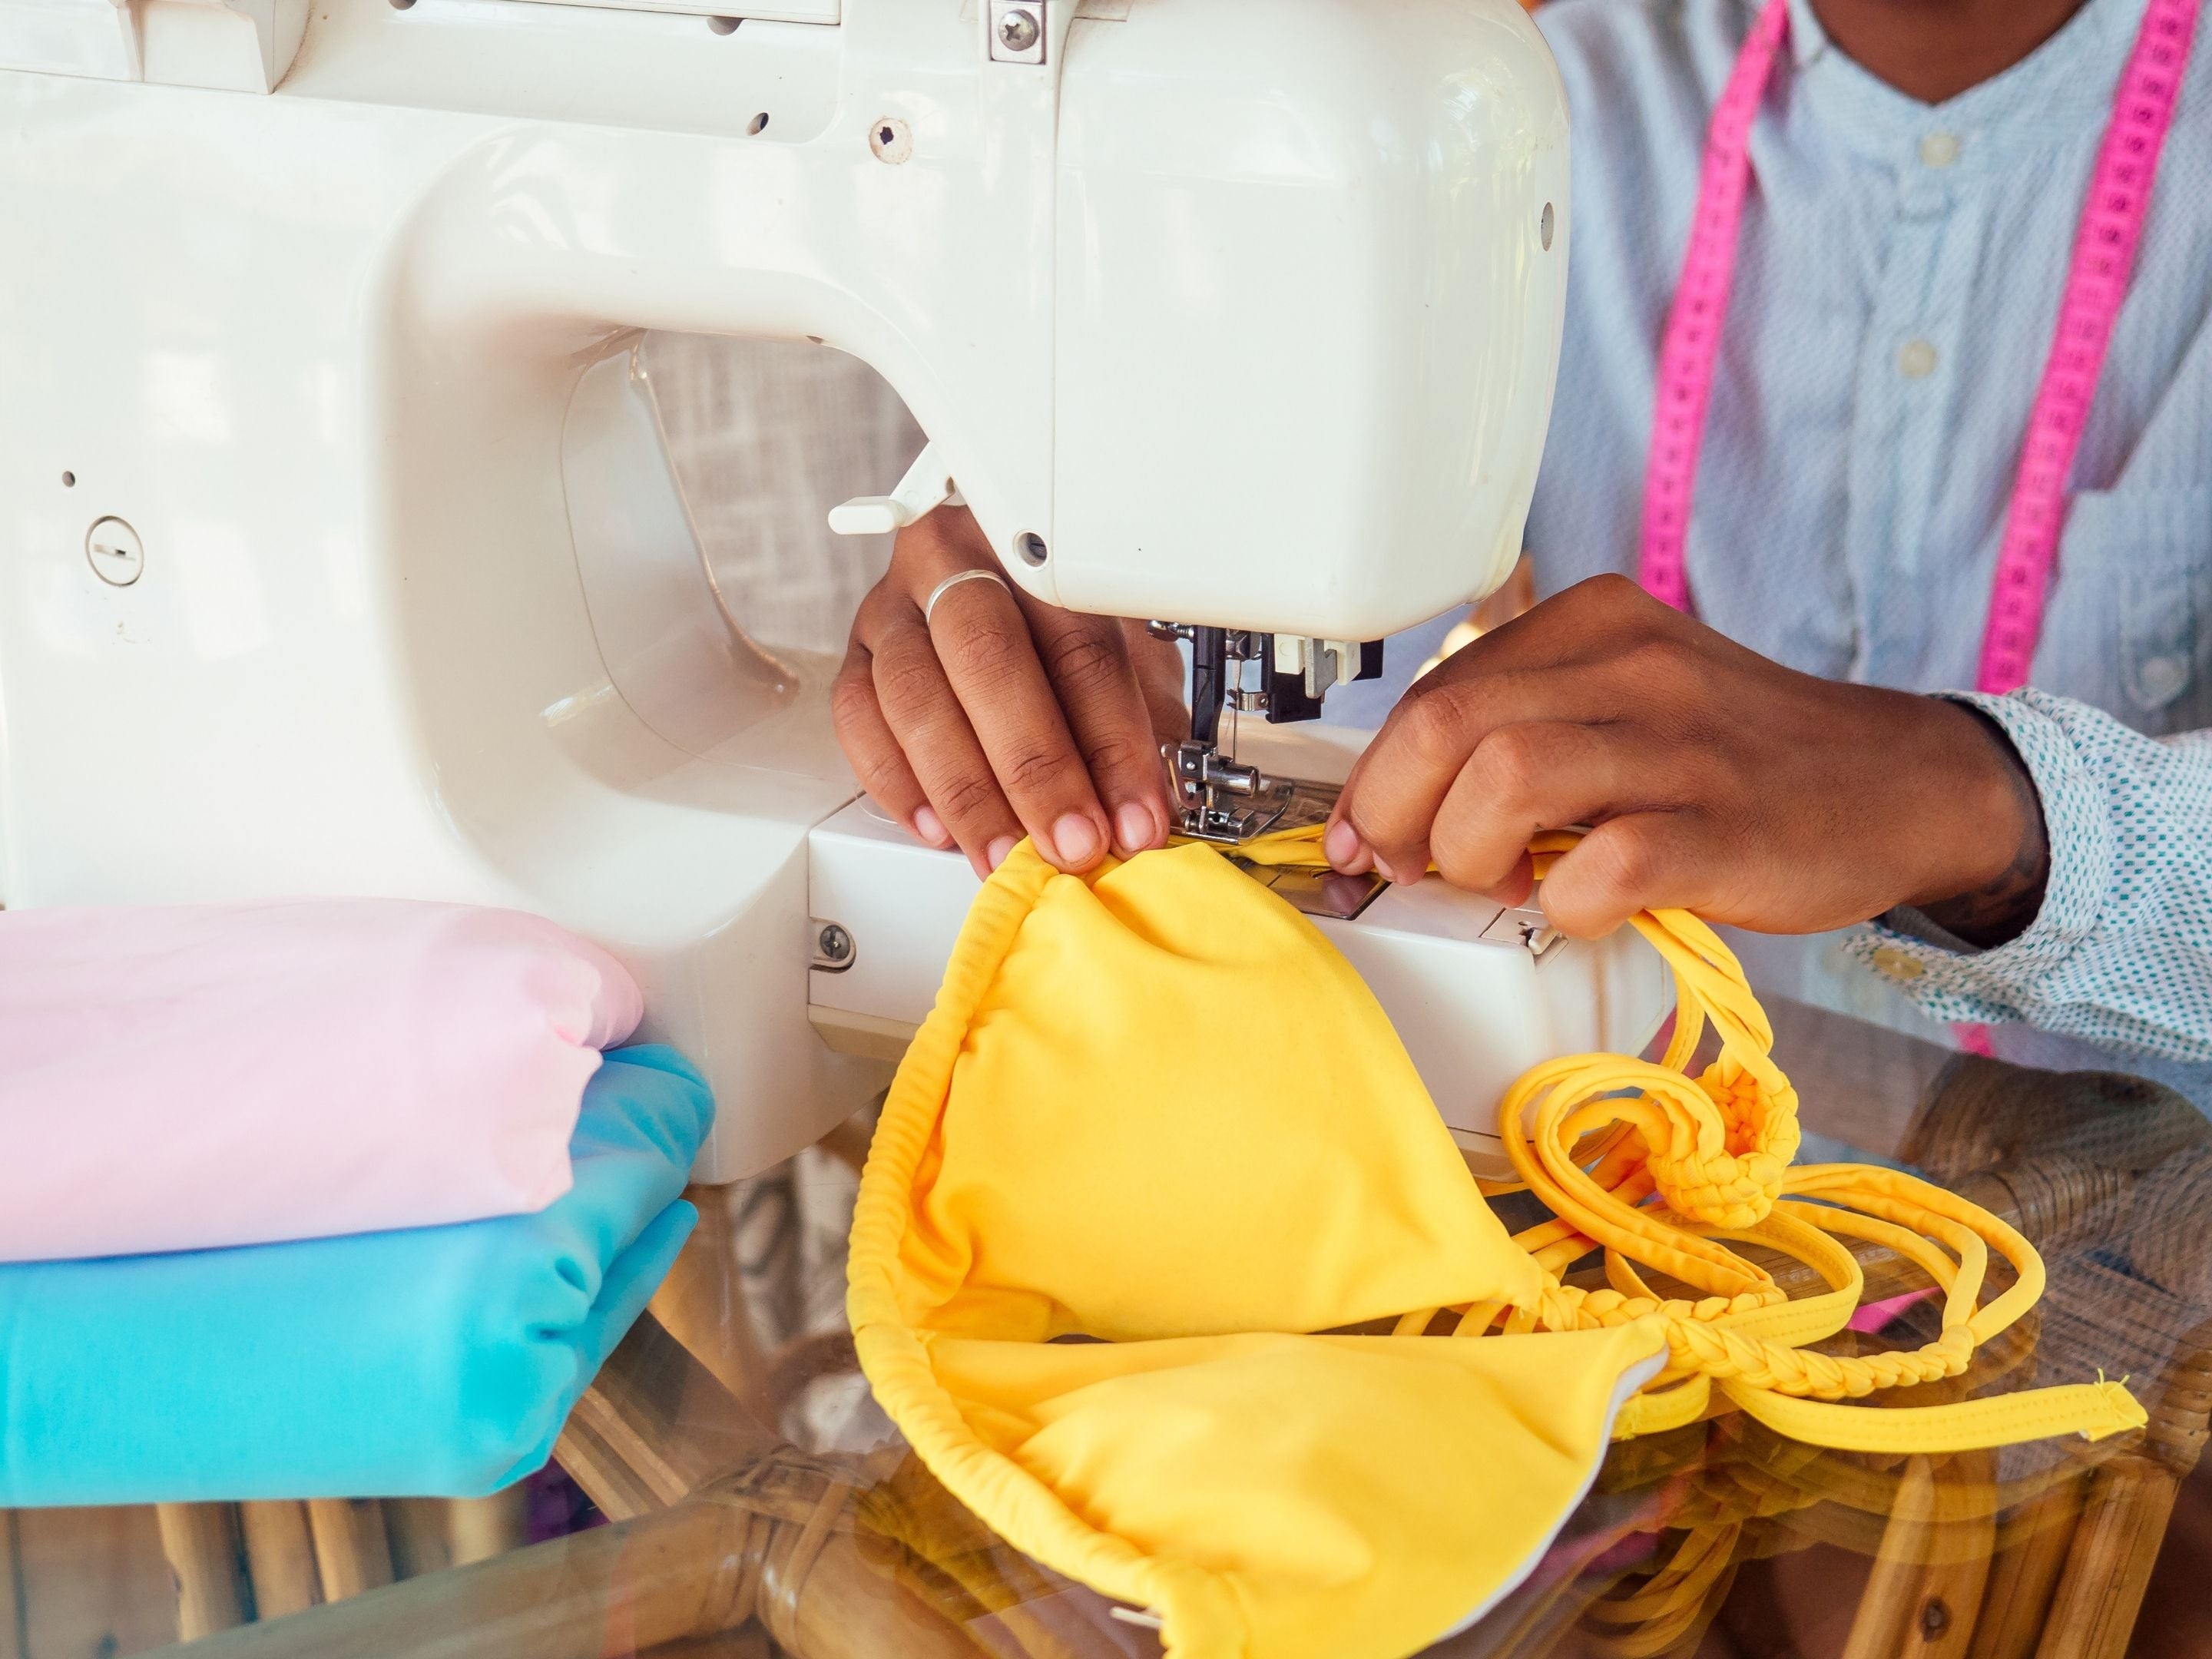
(339, 552)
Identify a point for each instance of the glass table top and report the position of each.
(728, 1487)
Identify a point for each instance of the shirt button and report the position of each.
(1898, 964)
(1916, 359)
(2161, 677)
(1939, 150)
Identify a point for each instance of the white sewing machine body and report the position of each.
(339, 552)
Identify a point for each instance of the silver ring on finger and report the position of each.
(929, 604)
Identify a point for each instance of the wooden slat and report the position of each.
(1924, 1595)
(94, 1580)
(12, 1644)
(606, 1474)
(352, 1553)
(484, 1527)
(280, 1553)
(2115, 1546)
(655, 1426)
(205, 1552)
(2024, 1577)
(420, 1533)
(574, 1598)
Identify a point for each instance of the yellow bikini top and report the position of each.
(1156, 1137)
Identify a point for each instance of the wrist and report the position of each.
(1990, 857)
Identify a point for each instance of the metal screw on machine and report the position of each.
(111, 547)
(834, 950)
(1017, 31)
(1530, 928)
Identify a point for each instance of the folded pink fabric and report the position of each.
(178, 1078)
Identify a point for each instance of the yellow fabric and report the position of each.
(1153, 1106)
(1305, 1495)
(1156, 1024)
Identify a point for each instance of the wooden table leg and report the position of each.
(207, 1557)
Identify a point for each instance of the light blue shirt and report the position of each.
(1899, 276)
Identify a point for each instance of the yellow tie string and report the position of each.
(1659, 1168)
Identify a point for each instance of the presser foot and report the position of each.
(1219, 800)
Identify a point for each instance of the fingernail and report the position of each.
(1076, 838)
(930, 828)
(997, 851)
(1342, 844)
(1133, 829)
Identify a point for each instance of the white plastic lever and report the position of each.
(926, 487)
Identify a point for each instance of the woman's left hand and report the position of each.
(1711, 779)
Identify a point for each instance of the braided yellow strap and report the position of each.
(1659, 1168)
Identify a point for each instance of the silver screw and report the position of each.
(1018, 30)
(834, 942)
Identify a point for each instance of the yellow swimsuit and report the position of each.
(1154, 1110)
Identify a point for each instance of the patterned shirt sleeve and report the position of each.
(2121, 953)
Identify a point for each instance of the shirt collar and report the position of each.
(1807, 40)
(2065, 84)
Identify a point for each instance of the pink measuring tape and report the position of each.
(2096, 283)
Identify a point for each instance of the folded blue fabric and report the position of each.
(436, 1362)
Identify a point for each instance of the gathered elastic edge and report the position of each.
(1199, 1609)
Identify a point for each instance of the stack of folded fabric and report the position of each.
(318, 1199)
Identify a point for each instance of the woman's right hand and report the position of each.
(998, 716)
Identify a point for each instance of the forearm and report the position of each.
(2117, 947)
